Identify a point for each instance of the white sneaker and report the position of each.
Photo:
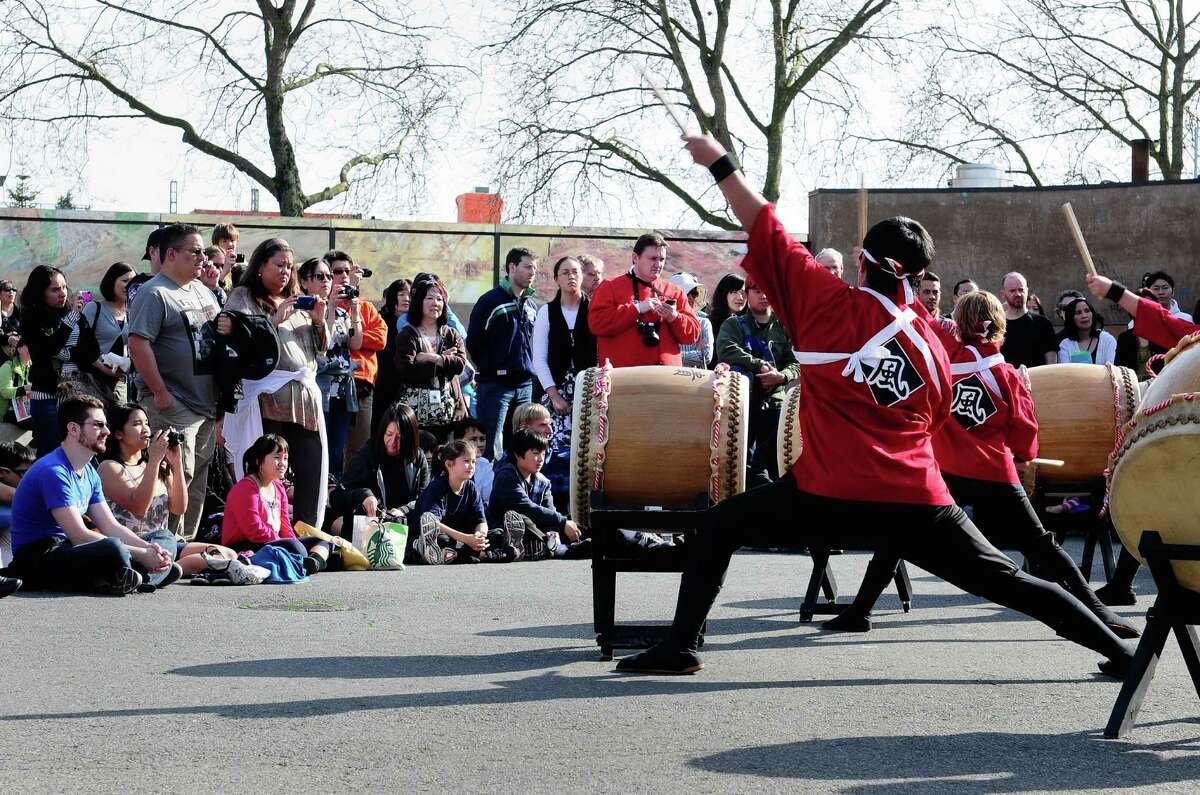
(242, 574)
(427, 544)
(554, 545)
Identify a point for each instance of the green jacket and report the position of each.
(13, 374)
(733, 349)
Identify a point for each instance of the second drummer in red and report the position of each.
(992, 421)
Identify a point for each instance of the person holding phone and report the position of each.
(287, 402)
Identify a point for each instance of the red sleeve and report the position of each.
(610, 313)
(374, 330)
(686, 326)
(795, 283)
(285, 519)
(1022, 424)
(944, 330)
(1159, 326)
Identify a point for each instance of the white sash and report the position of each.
(982, 366)
(873, 351)
(243, 428)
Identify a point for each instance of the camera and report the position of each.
(366, 273)
(239, 259)
(85, 296)
(174, 438)
(306, 301)
(649, 332)
(348, 292)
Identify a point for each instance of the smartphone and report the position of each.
(669, 302)
(306, 301)
(85, 296)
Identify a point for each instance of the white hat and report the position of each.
(684, 281)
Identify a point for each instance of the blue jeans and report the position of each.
(337, 430)
(495, 402)
(44, 414)
(165, 539)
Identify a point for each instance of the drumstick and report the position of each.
(1048, 462)
(862, 210)
(662, 98)
(1077, 233)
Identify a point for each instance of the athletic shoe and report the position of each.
(9, 585)
(211, 578)
(127, 582)
(514, 533)
(175, 572)
(1116, 597)
(661, 659)
(555, 548)
(848, 621)
(427, 542)
(241, 574)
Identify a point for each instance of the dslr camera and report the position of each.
(649, 332)
(348, 292)
(174, 438)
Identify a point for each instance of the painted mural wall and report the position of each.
(468, 257)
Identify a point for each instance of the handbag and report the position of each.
(86, 380)
(385, 547)
(432, 406)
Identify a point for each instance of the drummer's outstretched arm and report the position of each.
(1100, 286)
(743, 199)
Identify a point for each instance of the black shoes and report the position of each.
(9, 585)
(848, 621)
(661, 659)
(1116, 597)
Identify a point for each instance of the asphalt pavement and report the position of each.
(486, 679)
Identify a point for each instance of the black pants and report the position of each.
(764, 427)
(297, 546)
(1008, 520)
(305, 452)
(939, 539)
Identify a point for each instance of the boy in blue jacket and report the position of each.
(522, 502)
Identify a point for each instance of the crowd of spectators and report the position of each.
(204, 418)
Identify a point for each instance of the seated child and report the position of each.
(471, 430)
(450, 518)
(256, 511)
(521, 501)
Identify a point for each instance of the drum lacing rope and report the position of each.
(720, 385)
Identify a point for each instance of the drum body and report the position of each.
(657, 436)
(1156, 466)
(1080, 408)
(788, 441)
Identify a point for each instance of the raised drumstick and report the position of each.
(662, 98)
(862, 209)
(1048, 462)
(1077, 233)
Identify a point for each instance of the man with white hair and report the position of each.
(1030, 339)
(831, 260)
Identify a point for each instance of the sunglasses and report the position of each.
(340, 272)
(321, 277)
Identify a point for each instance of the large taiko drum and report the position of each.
(1156, 467)
(657, 436)
(1080, 408)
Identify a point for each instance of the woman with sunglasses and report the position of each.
(10, 311)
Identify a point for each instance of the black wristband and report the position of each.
(722, 167)
(1115, 292)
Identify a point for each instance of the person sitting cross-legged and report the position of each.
(52, 547)
(142, 476)
(15, 460)
(449, 514)
(257, 513)
(522, 504)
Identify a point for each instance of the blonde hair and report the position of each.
(975, 309)
(527, 414)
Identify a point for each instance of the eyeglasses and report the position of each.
(321, 277)
(341, 272)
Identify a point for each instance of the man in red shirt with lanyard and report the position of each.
(876, 388)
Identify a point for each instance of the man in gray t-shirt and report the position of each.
(168, 336)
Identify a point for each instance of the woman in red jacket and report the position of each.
(992, 421)
(256, 510)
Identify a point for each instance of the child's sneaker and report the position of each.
(241, 574)
(427, 543)
(555, 548)
(514, 533)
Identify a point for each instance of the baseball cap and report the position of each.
(684, 281)
(152, 241)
